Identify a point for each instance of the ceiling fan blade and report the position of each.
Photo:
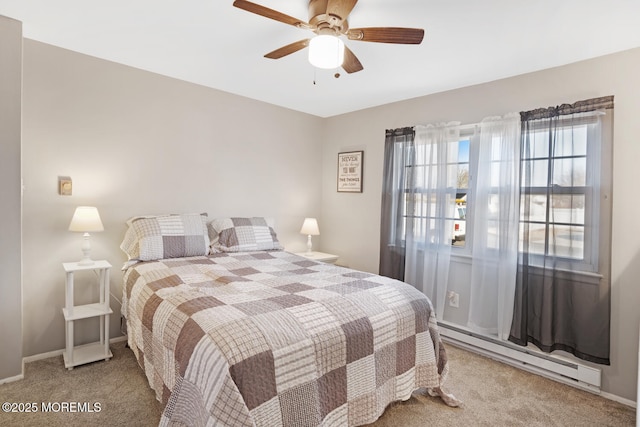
(268, 13)
(387, 35)
(351, 63)
(340, 8)
(288, 49)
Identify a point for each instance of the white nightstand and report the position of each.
(319, 256)
(78, 355)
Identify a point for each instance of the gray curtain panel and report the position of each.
(398, 152)
(563, 284)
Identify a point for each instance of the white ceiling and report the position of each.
(212, 43)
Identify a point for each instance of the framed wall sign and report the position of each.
(350, 172)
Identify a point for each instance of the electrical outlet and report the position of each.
(454, 299)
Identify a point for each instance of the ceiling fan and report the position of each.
(329, 18)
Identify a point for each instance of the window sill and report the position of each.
(462, 258)
(566, 274)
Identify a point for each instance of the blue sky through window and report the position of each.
(463, 151)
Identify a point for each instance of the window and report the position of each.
(536, 188)
(425, 210)
(560, 189)
(557, 195)
(560, 181)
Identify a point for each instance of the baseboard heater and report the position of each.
(553, 367)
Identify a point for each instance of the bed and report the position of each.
(246, 333)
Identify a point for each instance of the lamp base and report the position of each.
(309, 244)
(86, 250)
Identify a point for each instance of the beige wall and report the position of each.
(352, 221)
(10, 268)
(137, 143)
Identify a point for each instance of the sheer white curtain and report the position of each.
(496, 221)
(431, 202)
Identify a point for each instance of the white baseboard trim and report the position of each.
(12, 379)
(619, 399)
(56, 353)
(42, 356)
(47, 355)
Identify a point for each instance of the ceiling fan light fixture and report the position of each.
(326, 51)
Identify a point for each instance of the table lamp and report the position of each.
(310, 228)
(86, 219)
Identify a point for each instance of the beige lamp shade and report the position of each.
(86, 219)
(310, 227)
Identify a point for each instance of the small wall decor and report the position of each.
(65, 186)
(350, 172)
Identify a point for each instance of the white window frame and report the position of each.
(595, 207)
(467, 132)
(597, 204)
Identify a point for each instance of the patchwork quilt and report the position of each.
(270, 338)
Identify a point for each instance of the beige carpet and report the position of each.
(494, 394)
